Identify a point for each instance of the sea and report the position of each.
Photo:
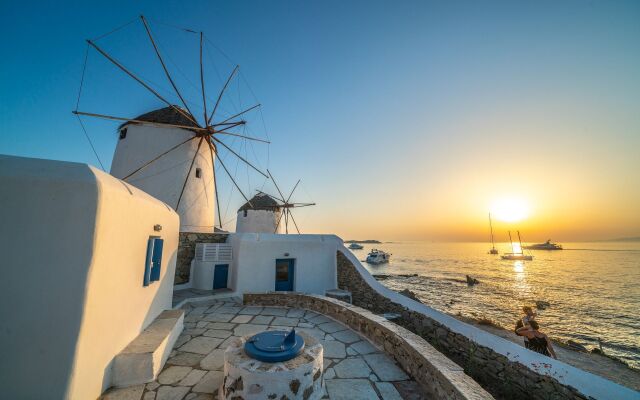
(592, 289)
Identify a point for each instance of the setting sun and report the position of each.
(510, 209)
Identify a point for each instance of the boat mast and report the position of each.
(493, 246)
(520, 241)
(511, 241)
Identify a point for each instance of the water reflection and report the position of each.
(521, 286)
(518, 268)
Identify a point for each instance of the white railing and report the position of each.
(214, 252)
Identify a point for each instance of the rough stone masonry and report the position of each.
(187, 250)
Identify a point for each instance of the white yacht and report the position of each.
(356, 246)
(378, 257)
(548, 245)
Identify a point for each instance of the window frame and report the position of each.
(153, 260)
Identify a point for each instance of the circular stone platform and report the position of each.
(247, 378)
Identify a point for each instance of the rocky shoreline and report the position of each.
(574, 354)
(606, 366)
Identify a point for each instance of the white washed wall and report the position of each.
(254, 259)
(73, 242)
(164, 178)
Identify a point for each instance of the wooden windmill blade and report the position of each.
(229, 174)
(272, 196)
(164, 67)
(210, 131)
(293, 190)
(278, 223)
(158, 157)
(224, 88)
(145, 85)
(286, 205)
(189, 172)
(139, 121)
(275, 184)
(297, 205)
(294, 222)
(215, 185)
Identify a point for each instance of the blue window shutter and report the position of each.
(147, 263)
(156, 259)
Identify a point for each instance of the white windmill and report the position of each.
(283, 205)
(171, 154)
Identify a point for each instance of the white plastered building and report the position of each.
(88, 263)
(261, 215)
(164, 178)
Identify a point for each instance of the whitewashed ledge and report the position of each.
(505, 368)
(439, 377)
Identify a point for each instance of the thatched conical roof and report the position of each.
(261, 201)
(167, 115)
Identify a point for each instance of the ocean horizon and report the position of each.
(591, 287)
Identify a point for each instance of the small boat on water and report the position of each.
(516, 256)
(378, 257)
(548, 245)
(493, 245)
(356, 246)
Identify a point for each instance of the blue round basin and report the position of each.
(274, 346)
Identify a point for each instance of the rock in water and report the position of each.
(472, 281)
(541, 305)
(408, 293)
(576, 346)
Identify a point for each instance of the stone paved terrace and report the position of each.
(354, 368)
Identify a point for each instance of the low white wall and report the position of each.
(585, 382)
(202, 274)
(73, 242)
(255, 254)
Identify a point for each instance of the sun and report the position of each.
(510, 209)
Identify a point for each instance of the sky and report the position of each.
(404, 120)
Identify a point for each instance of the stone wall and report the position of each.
(439, 377)
(187, 250)
(502, 377)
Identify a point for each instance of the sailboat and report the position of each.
(493, 245)
(516, 256)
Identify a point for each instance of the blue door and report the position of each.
(220, 276)
(284, 275)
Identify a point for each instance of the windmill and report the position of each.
(286, 206)
(155, 148)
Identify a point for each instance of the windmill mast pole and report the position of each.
(520, 241)
(493, 246)
(511, 241)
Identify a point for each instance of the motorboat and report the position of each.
(548, 245)
(515, 255)
(356, 246)
(378, 257)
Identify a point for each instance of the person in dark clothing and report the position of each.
(538, 341)
(529, 315)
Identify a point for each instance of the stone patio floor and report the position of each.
(354, 368)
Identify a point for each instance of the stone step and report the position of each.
(142, 360)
